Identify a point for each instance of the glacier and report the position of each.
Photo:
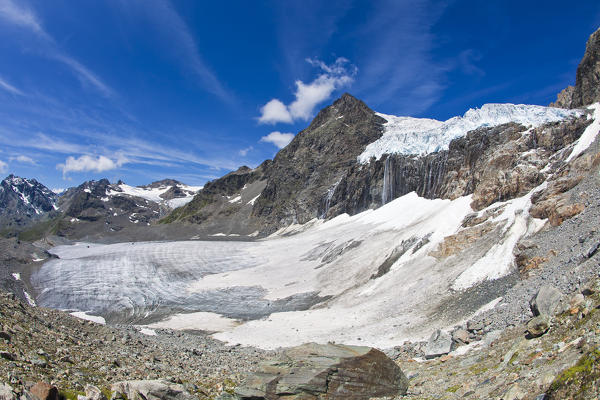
(319, 281)
(419, 136)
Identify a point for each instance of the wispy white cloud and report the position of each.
(278, 139)
(308, 96)
(396, 66)
(23, 159)
(20, 16)
(90, 163)
(84, 74)
(3, 167)
(244, 152)
(24, 17)
(304, 29)
(182, 41)
(9, 88)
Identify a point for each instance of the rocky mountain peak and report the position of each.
(347, 107)
(587, 82)
(23, 200)
(161, 183)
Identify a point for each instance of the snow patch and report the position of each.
(29, 299)
(207, 320)
(589, 135)
(17, 276)
(251, 202)
(419, 136)
(499, 260)
(88, 317)
(147, 331)
(236, 199)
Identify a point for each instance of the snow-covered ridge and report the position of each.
(154, 193)
(419, 136)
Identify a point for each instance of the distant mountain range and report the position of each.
(90, 206)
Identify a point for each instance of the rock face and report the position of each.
(23, 201)
(493, 164)
(305, 173)
(587, 83)
(298, 184)
(314, 371)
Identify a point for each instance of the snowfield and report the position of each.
(154, 194)
(325, 283)
(419, 136)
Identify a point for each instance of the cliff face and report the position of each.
(493, 164)
(587, 82)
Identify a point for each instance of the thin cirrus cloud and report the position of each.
(86, 163)
(3, 167)
(278, 139)
(9, 88)
(397, 67)
(182, 42)
(23, 17)
(309, 95)
(23, 159)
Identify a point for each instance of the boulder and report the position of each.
(6, 393)
(149, 390)
(439, 343)
(461, 336)
(93, 393)
(547, 301)
(44, 391)
(537, 326)
(325, 371)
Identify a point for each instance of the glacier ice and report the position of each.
(419, 136)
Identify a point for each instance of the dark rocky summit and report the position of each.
(295, 186)
(587, 82)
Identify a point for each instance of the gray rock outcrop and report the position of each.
(439, 343)
(331, 371)
(149, 390)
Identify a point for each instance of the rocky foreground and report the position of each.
(47, 354)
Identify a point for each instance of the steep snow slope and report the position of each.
(406, 135)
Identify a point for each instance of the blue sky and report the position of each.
(151, 89)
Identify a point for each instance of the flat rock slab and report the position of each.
(331, 371)
(149, 390)
(439, 343)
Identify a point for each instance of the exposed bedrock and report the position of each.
(493, 164)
